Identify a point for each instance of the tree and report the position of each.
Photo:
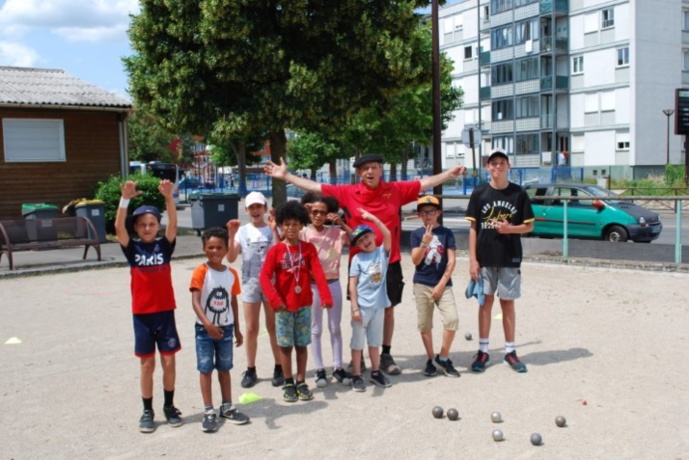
(149, 140)
(265, 66)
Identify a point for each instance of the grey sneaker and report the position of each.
(514, 362)
(358, 383)
(278, 377)
(446, 366)
(388, 365)
(232, 415)
(341, 376)
(210, 422)
(303, 391)
(321, 378)
(249, 379)
(430, 369)
(146, 424)
(289, 393)
(378, 379)
(172, 415)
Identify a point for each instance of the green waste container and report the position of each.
(39, 217)
(212, 209)
(93, 210)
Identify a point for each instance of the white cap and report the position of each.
(254, 198)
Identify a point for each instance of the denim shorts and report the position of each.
(214, 354)
(252, 292)
(293, 328)
(153, 329)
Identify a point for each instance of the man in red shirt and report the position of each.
(384, 200)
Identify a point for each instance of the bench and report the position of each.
(47, 233)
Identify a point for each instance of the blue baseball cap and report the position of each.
(358, 232)
(146, 209)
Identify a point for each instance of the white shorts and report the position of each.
(370, 329)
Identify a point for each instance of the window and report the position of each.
(685, 20)
(503, 110)
(526, 69)
(526, 107)
(486, 12)
(527, 144)
(501, 38)
(685, 55)
(498, 6)
(468, 51)
(525, 30)
(623, 56)
(623, 145)
(607, 18)
(577, 65)
(30, 140)
(501, 74)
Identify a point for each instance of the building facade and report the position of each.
(581, 83)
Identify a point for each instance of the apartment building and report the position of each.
(581, 83)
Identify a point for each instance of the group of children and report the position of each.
(291, 265)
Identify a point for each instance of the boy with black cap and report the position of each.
(433, 253)
(153, 297)
(383, 199)
(499, 212)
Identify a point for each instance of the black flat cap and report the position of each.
(368, 158)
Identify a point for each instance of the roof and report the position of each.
(53, 87)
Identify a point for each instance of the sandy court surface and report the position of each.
(606, 348)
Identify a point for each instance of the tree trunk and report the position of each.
(278, 144)
(393, 172)
(405, 162)
(240, 153)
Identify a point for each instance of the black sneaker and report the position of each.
(388, 365)
(146, 424)
(430, 369)
(378, 379)
(514, 362)
(303, 391)
(358, 383)
(446, 366)
(249, 378)
(210, 422)
(231, 414)
(289, 393)
(278, 377)
(480, 361)
(341, 376)
(172, 415)
(321, 378)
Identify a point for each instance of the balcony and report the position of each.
(561, 44)
(557, 6)
(484, 93)
(561, 83)
(484, 58)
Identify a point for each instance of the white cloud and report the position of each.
(77, 20)
(18, 55)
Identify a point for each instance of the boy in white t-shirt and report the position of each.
(252, 241)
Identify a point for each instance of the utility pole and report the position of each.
(668, 113)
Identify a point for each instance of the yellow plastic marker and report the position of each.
(248, 397)
(13, 341)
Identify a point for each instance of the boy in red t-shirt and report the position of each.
(286, 276)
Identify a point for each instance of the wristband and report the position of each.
(354, 311)
(124, 203)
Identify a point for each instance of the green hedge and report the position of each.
(109, 192)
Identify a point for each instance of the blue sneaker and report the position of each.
(480, 361)
(514, 362)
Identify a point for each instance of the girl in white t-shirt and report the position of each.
(329, 241)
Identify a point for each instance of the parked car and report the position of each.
(591, 216)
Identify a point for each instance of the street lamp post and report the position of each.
(668, 113)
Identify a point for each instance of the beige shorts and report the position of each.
(425, 304)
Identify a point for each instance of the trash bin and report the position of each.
(603, 181)
(212, 209)
(93, 210)
(39, 217)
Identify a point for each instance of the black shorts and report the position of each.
(394, 283)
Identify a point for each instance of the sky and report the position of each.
(85, 38)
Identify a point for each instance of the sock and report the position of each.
(444, 360)
(483, 345)
(386, 349)
(169, 397)
(148, 403)
(251, 370)
(289, 381)
(208, 407)
(226, 404)
(509, 347)
(300, 382)
(278, 367)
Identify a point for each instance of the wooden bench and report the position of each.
(47, 233)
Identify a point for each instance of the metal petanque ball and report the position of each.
(498, 436)
(560, 421)
(536, 439)
(437, 412)
(452, 414)
(467, 336)
(496, 417)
